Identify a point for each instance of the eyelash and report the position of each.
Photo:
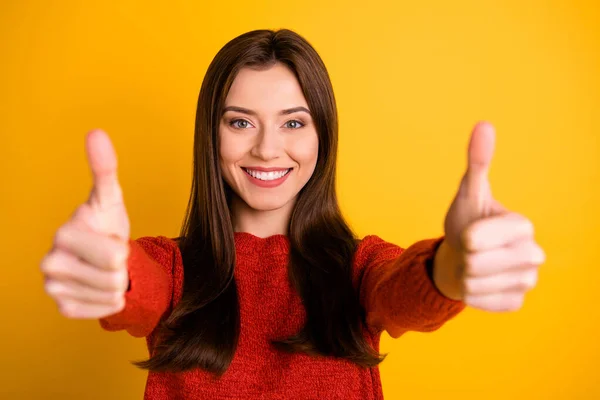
(234, 121)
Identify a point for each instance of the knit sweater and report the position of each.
(394, 285)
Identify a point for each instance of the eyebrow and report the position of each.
(251, 112)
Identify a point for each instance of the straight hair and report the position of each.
(203, 329)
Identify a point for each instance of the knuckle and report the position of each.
(46, 264)
(69, 310)
(540, 255)
(50, 267)
(119, 303)
(62, 234)
(119, 257)
(532, 254)
(514, 302)
(53, 289)
(528, 227)
(535, 256)
(118, 299)
(530, 280)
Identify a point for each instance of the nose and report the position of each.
(268, 145)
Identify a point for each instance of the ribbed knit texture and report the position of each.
(395, 288)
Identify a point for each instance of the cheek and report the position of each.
(229, 154)
(306, 152)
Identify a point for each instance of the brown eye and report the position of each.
(294, 124)
(240, 123)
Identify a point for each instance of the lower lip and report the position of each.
(267, 184)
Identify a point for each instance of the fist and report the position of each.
(496, 265)
(489, 258)
(85, 272)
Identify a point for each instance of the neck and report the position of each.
(261, 223)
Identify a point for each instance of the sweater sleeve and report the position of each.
(154, 267)
(396, 287)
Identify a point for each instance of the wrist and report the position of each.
(446, 272)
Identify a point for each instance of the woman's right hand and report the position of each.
(86, 270)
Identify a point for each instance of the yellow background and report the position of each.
(411, 79)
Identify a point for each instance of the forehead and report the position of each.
(266, 90)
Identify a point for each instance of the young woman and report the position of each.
(267, 293)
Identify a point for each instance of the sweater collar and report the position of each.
(249, 243)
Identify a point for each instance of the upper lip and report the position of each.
(263, 169)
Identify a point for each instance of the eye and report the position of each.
(240, 124)
(294, 124)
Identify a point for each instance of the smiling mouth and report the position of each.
(267, 176)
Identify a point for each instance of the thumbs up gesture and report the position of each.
(85, 271)
(488, 258)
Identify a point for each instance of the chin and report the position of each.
(266, 203)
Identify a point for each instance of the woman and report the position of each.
(267, 293)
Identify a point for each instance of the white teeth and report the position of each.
(267, 176)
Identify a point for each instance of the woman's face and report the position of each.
(269, 144)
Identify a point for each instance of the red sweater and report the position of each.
(395, 289)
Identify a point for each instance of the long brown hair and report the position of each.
(203, 329)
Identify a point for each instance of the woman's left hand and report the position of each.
(489, 258)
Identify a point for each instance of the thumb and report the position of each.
(476, 186)
(103, 164)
